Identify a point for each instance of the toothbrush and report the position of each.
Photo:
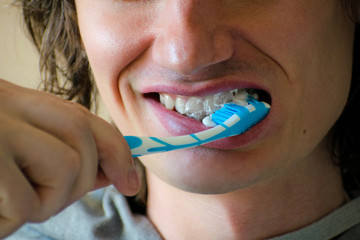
(232, 119)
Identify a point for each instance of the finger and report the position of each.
(101, 180)
(115, 157)
(69, 122)
(95, 140)
(18, 201)
(50, 166)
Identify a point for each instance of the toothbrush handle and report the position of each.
(147, 145)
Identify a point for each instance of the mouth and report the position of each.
(199, 107)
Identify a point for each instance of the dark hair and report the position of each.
(52, 25)
(346, 132)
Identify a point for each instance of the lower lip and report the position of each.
(177, 125)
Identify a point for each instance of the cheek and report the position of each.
(109, 51)
(113, 36)
(108, 54)
(316, 54)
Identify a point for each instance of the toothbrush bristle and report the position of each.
(249, 115)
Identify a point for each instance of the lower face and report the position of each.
(298, 52)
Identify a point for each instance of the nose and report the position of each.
(191, 35)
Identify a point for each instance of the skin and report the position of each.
(277, 177)
(52, 152)
(292, 55)
(300, 52)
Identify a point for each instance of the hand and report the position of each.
(52, 152)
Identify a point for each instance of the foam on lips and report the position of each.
(201, 107)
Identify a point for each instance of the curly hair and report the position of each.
(52, 25)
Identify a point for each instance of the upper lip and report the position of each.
(204, 88)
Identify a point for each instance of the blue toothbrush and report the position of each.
(232, 119)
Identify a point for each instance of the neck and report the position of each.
(273, 207)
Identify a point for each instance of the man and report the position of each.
(276, 178)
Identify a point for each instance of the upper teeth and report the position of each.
(200, 107)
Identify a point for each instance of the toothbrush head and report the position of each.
(238, 119)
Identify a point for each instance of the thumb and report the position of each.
(116, 165)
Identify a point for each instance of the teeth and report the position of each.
(201, 107)
(180, 105)
(194, 104)
(194, 108)
(167, 101)
(240, 100)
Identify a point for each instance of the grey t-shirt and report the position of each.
(105, 214)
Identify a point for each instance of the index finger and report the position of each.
(115, 159)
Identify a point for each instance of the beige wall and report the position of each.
(18, 58)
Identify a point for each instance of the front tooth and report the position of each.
(209, 106)
(222, 97)
(200, 107)
(240, 102)
(166, 100)
(180, 105)
(243, 94)
(241, 99)
(194, 105)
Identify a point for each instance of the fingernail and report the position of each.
(133, 179)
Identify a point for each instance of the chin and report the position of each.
(204, 171)
(211, 184)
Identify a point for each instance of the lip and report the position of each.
(176, 124)
(200, 89)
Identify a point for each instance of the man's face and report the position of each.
(299, 52)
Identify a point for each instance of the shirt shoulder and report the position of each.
(104, 214)
(341, 224)
(352, 234)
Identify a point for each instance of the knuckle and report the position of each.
(79, 110)
(71, 163)
(109, 152)
(67, 171)
(79, 117)
(8, 93)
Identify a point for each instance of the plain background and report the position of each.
(18, 57)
